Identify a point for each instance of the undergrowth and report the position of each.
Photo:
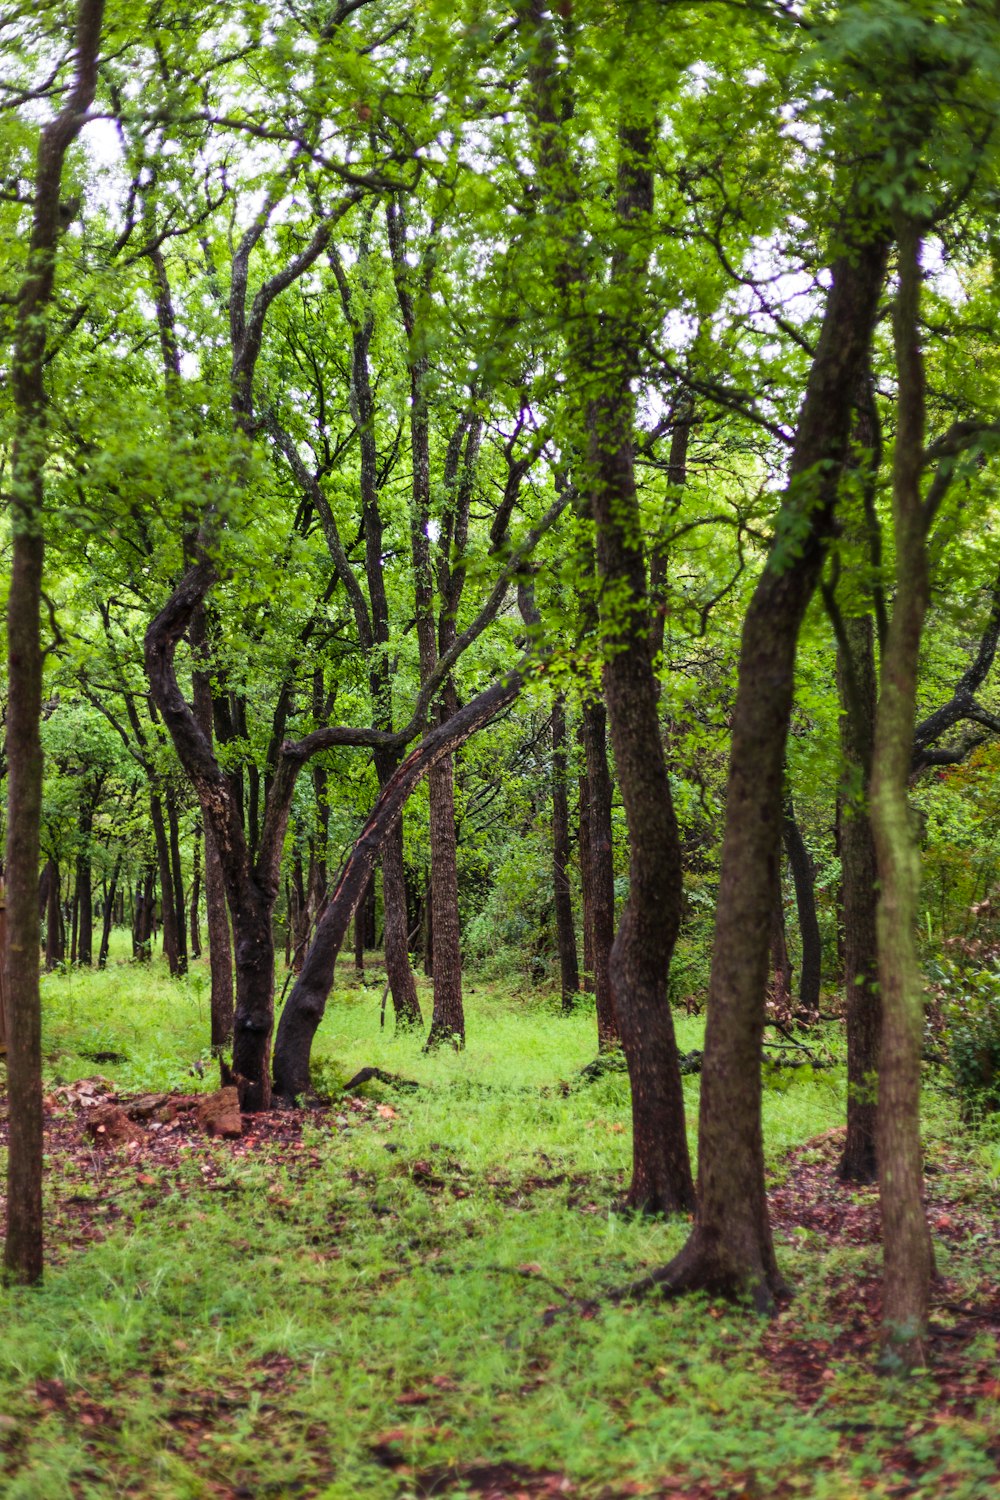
(360, 1311)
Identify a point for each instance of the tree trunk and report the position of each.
(55, 948)
(565, 931)
(647, 933)
(905, 1236)
(195, 909)
(253, 1021)
(730, 1250)
(395, 930)
(23, 1247)
(171, 949)
(781, 964)
(305, 1005)
(858, 882)
(109, 912)
(84, 918)
(220, 945)
(142, 931)
(177, 881)
(300, 914)
(448, 1019)
(586, 859)
(602, 872)
(74, 919)
(362, 927)
(811, 971)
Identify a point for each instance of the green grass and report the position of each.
(256, 1324)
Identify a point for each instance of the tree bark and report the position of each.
(23, 1248)
(781, 964)
(650, 922)
(586, 859)
(362, 922)
(109, 914)
(859, 882)
(448, 1017)
(602, 872)
(395, 921)
(220, 943)
(305, 1005)
(177, 881)
(171, 951)
(84, 920)
(810, 974)
(730, 1250)
(907, 1262)
(569, 973)
(195, 908)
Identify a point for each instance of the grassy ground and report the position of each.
(351, 1301)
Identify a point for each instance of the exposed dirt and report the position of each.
(167, 1135)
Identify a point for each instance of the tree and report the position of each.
(23, 1245)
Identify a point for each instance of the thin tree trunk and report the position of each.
(162, 844)
(83, 919)
(810, 973)
(195, 910)
(109, 912)
(602, 872)
(23, 1247)
(305, 1005)
(396, 933)
(647, 933)
(905, 1236)
(220, 945)
(74, 919)
(730, 1250)
(859, 882)
(448, 1019)
(177, 879)
(565, 931)
(781, 964)
(586, 859)
(361, 928)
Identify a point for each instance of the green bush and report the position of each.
(973, 1037)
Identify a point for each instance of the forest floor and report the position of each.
(351, 1300)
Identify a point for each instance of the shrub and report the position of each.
(972, 1015)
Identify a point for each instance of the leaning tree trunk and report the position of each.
(859, 880)
(730, 1250)
(905, 1236)
(569, 972)
(305, 1005)
(23, 1248)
